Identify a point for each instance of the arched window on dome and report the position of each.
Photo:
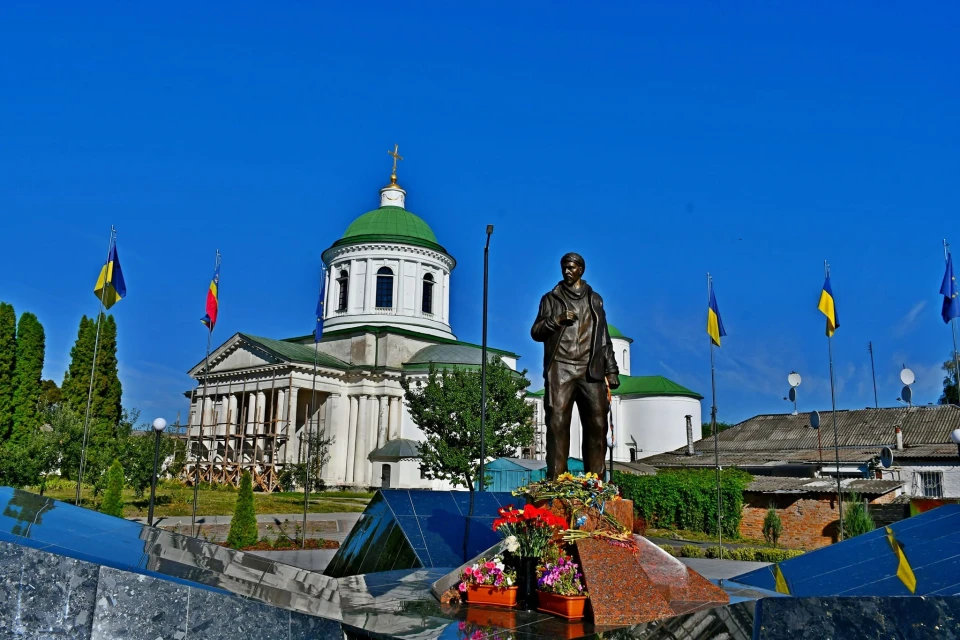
(427, 306)
(626, 361)
(343, 284)
(384, 288)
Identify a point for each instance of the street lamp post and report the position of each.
(158, 426)
(483, 363)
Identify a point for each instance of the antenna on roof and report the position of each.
(794, 381)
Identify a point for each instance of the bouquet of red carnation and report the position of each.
(529, 530)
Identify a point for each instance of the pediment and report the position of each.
(237, 354)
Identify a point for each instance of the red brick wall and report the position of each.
(809, 521)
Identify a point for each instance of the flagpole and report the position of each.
(203, 411)
(93, 371)
(313, 408)
(953, 329)
(833, 401)
(713, 425)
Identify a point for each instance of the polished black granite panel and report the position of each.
(64, 529)
(867, 565)
(45, 595)
(408, 529)
(133, 606)
(905, 618)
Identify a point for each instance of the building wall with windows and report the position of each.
(927, 479)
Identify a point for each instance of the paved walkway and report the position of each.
(716, 569)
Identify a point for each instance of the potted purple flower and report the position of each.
(489, 582)
(560, 584)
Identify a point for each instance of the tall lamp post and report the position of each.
(483, 362)
(158, 426)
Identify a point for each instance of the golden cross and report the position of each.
(396, 156)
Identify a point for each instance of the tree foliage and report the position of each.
(706, 430)
(113, 497)
(8, 358)
(139, 459)
(302, 474)
(447, 410)
(772, 526)
(77, 378)
(949, 395)
(27, 378)
(687, 498)
(856, 517)
(243, 527)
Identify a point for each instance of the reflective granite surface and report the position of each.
(64, 529)
(44, 595)
(410, 529)
(868, 565)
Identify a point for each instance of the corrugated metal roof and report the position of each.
(776, 484)
(789, 438)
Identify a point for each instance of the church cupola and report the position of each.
(389, 270)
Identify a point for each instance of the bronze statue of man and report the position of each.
(578, 364)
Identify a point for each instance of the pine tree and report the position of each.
(113, 497)
(8, 358)
(107, 390)
(243, 527)
(856, 517)
(772, 526)
(77, 378)
(27, 380)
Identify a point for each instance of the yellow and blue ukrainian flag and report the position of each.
(828, 307)
(714, 323)
(110, 286)
(213, 301)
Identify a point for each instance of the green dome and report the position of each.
(390, 224)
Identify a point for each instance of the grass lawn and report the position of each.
(174, 499)
(681, 535)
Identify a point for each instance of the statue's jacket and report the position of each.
(547, 330)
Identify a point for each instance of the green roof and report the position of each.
(648, 386)
(296, 352)
(455, 354)
(390, 224)
(336, 333)
(615, 333)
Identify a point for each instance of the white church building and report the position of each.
(387, 314)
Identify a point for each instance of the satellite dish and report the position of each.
(886, 457)
(815, 419)
(792, 394)
(907, 394)
(794, 379)
(907, 377)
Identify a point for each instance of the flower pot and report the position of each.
(489, 594)
(569, 607)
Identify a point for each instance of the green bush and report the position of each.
(856, 518)
(243, 527)
(774, 555)
(669, 548)
(112, 504)
(687, 498)
(714, 552)
(692, 551)
(772, 526)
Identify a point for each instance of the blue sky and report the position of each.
(660, 140)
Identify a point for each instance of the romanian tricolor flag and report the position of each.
(714, 322)
(213, 300)
(110, 285)
(828, 307)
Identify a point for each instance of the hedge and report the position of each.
(759, 554)
(686, 498)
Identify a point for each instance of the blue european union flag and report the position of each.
(948, 289)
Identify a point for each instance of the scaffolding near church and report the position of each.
(227, 436)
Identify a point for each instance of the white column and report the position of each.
(446, 297)
(338, 446)
(232, 412)
(396, 407)
(281, 410)
(363, 437)
(351, 438)
(369, 288)
(383, 414)
(251, 412)
(290, 409)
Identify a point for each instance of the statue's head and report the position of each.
(572, 266)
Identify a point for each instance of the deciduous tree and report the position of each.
(447, 409)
